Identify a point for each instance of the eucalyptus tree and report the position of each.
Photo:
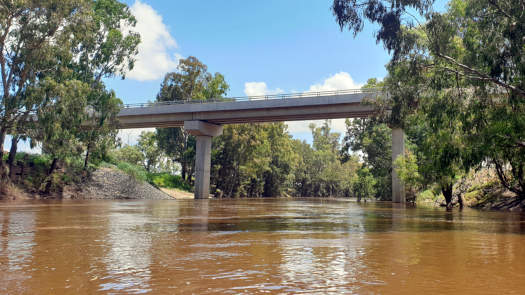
(59, 122)
(107, 49)
(34, 37)
(321, 171)
(51, 43)
(461, 74)
(373, 140)
(148, 146)
(191, 81)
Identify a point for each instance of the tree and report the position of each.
(59, 121)
(322, 173)
(374, 140)
(240, 157)
(147, 145)
(107, 49)
(461, 75)
(390, 15)
(130, 154)
(363, 185)
(63, 41)
(407, 168)
(34, 35)
(191, 82)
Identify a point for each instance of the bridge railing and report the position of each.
(257, 97)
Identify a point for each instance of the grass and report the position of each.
(135, 172)
(167, 180)
(428, 196)
(159, 180)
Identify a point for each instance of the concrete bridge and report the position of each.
(204, 119)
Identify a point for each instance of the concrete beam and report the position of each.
(201, 128)
(398, 149)
(272, 110)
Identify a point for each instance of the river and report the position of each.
(257, 246)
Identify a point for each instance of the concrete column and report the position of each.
(202, 167)
(398, 149)
(204, 132)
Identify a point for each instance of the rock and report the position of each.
(113, 184)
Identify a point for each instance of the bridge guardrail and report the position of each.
(258, 97)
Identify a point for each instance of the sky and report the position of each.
(261, 47)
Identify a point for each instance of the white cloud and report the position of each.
(131, 136)
(339, 81)
(259, 88)
(154, 59)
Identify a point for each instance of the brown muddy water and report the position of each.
(257, 246)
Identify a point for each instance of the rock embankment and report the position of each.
(113, 184)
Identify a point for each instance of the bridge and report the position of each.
(204, 120)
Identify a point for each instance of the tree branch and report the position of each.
(493, 3)
(482, 75)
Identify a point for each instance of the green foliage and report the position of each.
(130, 154)
(168, 180)
(364, 185)
(191, 82)
(150, 150)
(134, 171)
(262, 160)
(55, 54)
(252, 160)
(408, 171)
(456, 83)
(389, 15)
(59, 119)
(321, 172)
(374, 140)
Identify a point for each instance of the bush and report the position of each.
(167, 180)
(136, 172)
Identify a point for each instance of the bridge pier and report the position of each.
(204, 133)
(398, 149)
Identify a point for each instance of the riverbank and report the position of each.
(122, 181)
(31, 180)
(479, 190)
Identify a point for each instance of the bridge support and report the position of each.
(398, 149)
(204, 132)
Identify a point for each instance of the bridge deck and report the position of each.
(303, 106)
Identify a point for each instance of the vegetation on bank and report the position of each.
(455, 84)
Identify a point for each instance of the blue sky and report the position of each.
(289, 44)
(259, 46)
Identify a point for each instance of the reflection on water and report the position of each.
(17, 234)
(257, 246)
(129, 256)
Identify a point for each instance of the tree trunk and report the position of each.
(183, 170)
(12, 156)
(53, 166)
(49, 173)
(3, 172)
(88, 152)
(447, 193)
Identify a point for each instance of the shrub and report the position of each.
(136, 172)
(168, 180)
